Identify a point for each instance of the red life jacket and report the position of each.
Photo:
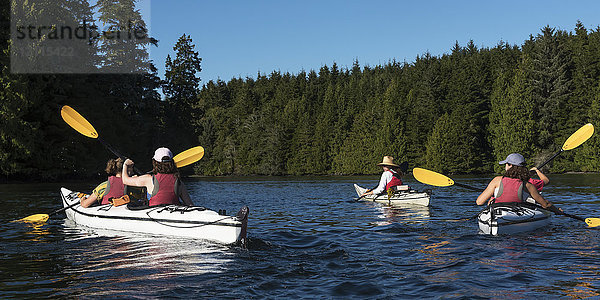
(114, 189)
(396, 181)
(165, 190)
(510, 190)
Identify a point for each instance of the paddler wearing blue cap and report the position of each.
(513, 186)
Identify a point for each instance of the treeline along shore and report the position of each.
(457, 113)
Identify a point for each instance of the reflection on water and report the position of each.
(401, 214)
(581, 288)
(36, 231)
(434, 254)
(158, 256)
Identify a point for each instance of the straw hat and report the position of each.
(388, 161)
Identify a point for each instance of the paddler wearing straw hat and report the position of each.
(391, 178)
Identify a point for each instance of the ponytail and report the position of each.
(114, 166)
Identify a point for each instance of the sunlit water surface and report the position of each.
(307, 238)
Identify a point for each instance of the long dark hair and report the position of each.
(518, 172)
(399, 172)
(166, 167)
(401, 169)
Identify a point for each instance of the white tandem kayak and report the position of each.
(173, 220)
(409, 197)
(510, 218)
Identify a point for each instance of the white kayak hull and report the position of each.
(172, 220)
(410, 197)
(501, 218)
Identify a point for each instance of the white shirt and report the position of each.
(385, 178)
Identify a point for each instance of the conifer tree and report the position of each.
(181, 88)
(30, 101)
(551, 84)
(587, 158)
(583, 106)
(125, 38)
(324, 126)
(390, 139)
(512, 124)
(182, 81)
(456, 113)
(437, 157)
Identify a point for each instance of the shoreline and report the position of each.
(254, 177)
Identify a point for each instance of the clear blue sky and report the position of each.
(241, 38)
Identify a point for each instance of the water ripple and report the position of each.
(306, 241)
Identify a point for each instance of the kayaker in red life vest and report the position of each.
(391, 178)
(163, 184)
(111, 188)
(511, 186)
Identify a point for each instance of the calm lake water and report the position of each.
(307, 239)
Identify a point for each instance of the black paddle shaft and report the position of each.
(550, 159)
(468, 187)
(574, 217)
(62, 209)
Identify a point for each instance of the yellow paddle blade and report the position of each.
(188, 156)
(593, 222)
(79, 123)
(579, 137)
(431, 177)
(34, 218)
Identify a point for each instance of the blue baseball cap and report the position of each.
(514, 159)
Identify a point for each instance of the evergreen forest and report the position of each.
(457, 113)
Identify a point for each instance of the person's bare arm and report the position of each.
(142, 180)
(87, 202)
(541, 175)
(183, 194)
(537, 196)
(488, 193)
(542, 201)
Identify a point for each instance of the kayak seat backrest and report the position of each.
(402, 189)
(137, 196)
